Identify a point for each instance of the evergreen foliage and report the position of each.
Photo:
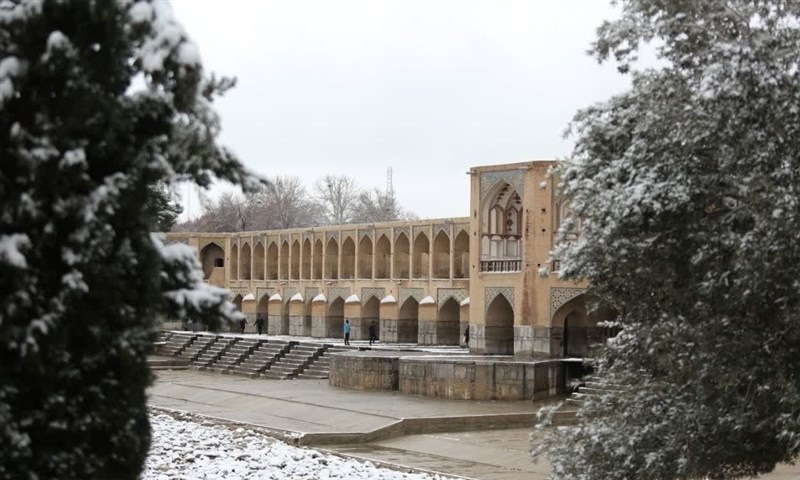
(100, 104)
(688, 187)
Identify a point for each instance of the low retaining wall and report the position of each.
(364, 371)
(470, 378)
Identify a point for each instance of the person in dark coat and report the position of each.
(373, 332)
(242, 324)
(466, 335)
(259, 324)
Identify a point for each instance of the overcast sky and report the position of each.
(429, 88)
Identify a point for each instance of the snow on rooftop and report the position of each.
(248, 297)
(427, 301)
(319, 298)
(388, 299)
(276, 298)
(353, 299)
(297, 297)
(465, 302)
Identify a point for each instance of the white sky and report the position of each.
(428, 87)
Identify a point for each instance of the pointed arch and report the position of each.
(408, 321)
(499, 328)
(332, 259)
(441, 255)
(348, 259)
(501, 229)
(448, 324)
(421, 263)
(336, 318)
(246, 259)
(305, 271)
(284, 260)
(365, 257)
(316, 267)
(294, 271)
(234, 262)
(262, 310)
(401, 257)
(461, 255)
(212, 256)
(383, 257)
(258, 262)
(272, 261)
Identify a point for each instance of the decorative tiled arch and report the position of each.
(561, 295)
(416, 293)
(457, 294)
(399, 230)
(343, 292)
(490, 179)
(351, 235)
(441, 227)
(311, 292)
(261, 292)
(492, 292)
(333, 234)
(367, 292)
(364, 232)
(288, 293)
(420, 230)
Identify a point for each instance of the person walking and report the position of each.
(373, 333)
(242, 324)
(259, 324)
(347, 332)
(466, 336)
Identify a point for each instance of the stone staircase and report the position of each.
(213, 352)
(590, 387)
(261, 358)
(198, 346)
(176, 343)
(294, 361)
(319, 366)
(234, 354)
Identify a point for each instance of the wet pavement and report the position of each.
(457, 437)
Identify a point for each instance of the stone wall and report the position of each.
(364, 371)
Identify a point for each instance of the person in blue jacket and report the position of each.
(347, 332)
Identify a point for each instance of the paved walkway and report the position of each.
(449, 436)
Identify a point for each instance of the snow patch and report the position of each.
(388, 299)
(319, 298)
(427, 301)
(248, 297)
(11, 249)
(276, 298)
(465, 302)
(352, 299)
(297, 297)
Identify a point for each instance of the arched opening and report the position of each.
(383, 257)
(501, 230)
(246, 261)
(307, 313)
(284, 260)
(332, 260)
(234, 262)
(370, 313)
(401, 259)
(499, 328)
(272, 261)
(262, 311)
(336, 318)
(295, 270)
(575, 332)
(258, 262)
(237, 301)
(348, 259)
(448, 323)
(316, 270)
(305, 272)
(408, 321)
(461, 255)
(285, 317)
(422, 252)
(212, 256)
(441, 256)
(365, 257)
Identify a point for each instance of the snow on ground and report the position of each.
(183, 449)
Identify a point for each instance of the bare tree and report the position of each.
(379, 206)
(290, 204)
(337, 195)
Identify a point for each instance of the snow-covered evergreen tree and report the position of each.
(689, 188)
(99, 102)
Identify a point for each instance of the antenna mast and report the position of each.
(389, 185)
